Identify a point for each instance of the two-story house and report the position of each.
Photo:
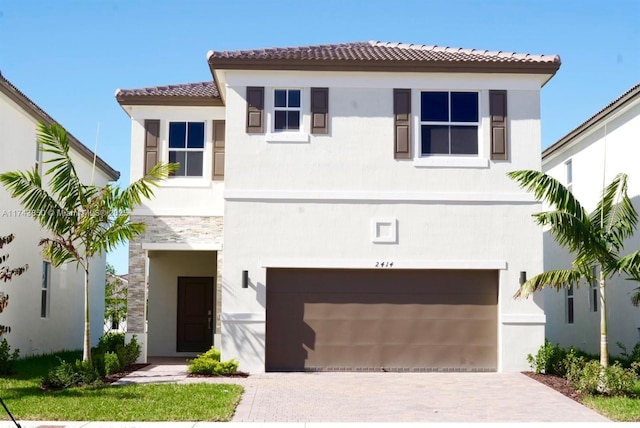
(46, 304)
(585, 160)
(368, 220)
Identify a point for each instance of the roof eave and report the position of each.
(382, 65)
(593, 122)
(167, 100)
(29, 106)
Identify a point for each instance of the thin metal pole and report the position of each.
(9, 413)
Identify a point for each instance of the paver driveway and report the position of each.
(403, 397)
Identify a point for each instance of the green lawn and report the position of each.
(156, 402)
(621, 409)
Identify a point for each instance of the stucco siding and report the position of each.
(596, 158)
(64, 325)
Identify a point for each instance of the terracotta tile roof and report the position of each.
(624, 99)
(382, 51)
(185, 94)
(200, 89)
(36, 112)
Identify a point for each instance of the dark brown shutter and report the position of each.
(402, 123)
(319, 110)
(498, 113)
(255, 110)
(218, 150)
(151, 144)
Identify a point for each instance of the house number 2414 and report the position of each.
(384, 264)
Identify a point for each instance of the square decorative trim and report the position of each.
(384, 230)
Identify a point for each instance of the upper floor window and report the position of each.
(594, 291)
(569, 171)
(449, 123)
(569, 306)
(186, 146)
(286, 110)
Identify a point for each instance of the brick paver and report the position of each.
(403, 397)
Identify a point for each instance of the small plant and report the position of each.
(549, 359)
(7, 358)
(67, 375)
(110, 341)
(129, 353)
(209, 364)
(627, 359)
(111, 363)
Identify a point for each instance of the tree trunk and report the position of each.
(604, 341)
(86, 350)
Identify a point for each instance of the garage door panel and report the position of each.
(331, 319)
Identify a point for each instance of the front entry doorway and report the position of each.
(195, 314)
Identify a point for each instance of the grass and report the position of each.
(620, 409)
(154, 402)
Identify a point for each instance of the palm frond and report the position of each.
(143, 188)
(629, 264)
(547, 188)
(615, 214)
(568, 230)
(554, 278)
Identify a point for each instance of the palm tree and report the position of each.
(84, 220)
(596, 240)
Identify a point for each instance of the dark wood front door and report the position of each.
(195, 314)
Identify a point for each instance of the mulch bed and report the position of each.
(558, 383)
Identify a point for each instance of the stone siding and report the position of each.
(174, 230)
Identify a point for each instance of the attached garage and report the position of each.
(381, 319)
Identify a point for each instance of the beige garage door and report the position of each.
(396, 320)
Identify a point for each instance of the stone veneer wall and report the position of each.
(174, 230)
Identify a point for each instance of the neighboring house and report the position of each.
(368, 219)
(585, 160)
(115, 295)
(46, 306)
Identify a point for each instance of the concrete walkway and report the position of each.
(304, 398)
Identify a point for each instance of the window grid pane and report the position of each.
(186, 147)
(444, 117)
(286, 115)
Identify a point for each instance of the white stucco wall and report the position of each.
(596, 158)
(164, 269)
(308, 203)
(177, 195)
(63, 328)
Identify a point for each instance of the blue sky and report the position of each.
(71, 56)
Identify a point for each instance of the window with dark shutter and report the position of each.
(498, 113)
(151, 144)
(402, 123)
(319, 110)
(218, 150)
(255, 110)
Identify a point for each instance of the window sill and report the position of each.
(287, 137)
(451, 162)
(186, 182)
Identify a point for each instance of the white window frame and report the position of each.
(570, 303)
(45, 290)
(594, 292)
(569, 173)
(286, 109)
(300, 135)
(479, 160)
(449, 124)
(203, 150)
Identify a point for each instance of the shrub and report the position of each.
(209, 364)
(591, 378)
(627, 359)
(129, 353)
(66, 375)
(110, 341)
(7, 358)
(111, 363)
(549, 359)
